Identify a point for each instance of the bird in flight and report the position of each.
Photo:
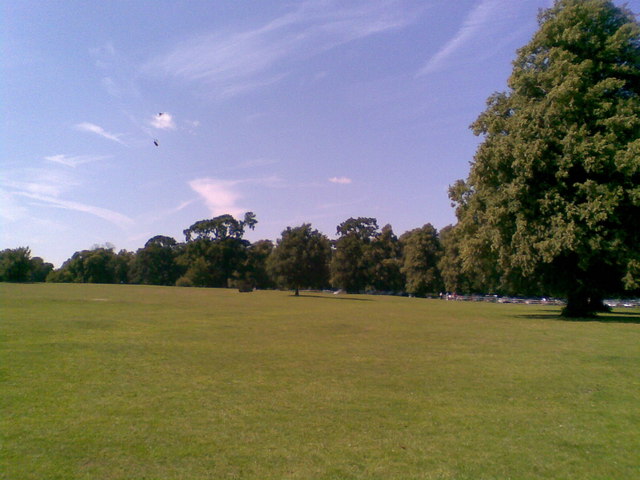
(155, 142)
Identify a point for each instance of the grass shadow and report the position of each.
(613, 317)
(333, 297)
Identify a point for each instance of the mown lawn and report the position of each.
(134, 382)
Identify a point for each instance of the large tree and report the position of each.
(156, 264)
(98, 265)
(15, 264)
(215, 254)
(256, 264)
(421, 252)
(300, 259)
(554, 190)
(384, 256)
(351, 267)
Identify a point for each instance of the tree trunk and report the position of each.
(581, 303)
(596, 304)
(297, 294)
(577, 306)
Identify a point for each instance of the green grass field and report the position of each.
(134, 382)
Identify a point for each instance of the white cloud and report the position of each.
(75, 160)
(340, 180)
(163, 121)
(106, 214)
(234, 62)
(39, 181)
(486, 12)
(220, 196)
(90, 127)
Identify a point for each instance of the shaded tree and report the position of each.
(156, 263)
(40, 269)
(215, 254)
(454, 279)
(220, 228)
(553, 194)
(421, 253)
(385, 259)
(257, 274)
(16, 264)
(300, 259)
(350, 263)
(98, 265)
(123, 266)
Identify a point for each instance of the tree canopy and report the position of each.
(422, 251)
(350, 268)
(554, 188)
(301, 258)
(220, 227)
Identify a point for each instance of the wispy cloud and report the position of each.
(163, 121)
(223, 196)
(238, 61)
(92, 128)
(75, 160)
(486, 12)
(119, 79)
(106, 214)
(340, 180)
(10, 209)
(156, 216)
(38, 181)
(220, 196)
(46, 186)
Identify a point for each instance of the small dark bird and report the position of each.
(155, 142)
(160, 114)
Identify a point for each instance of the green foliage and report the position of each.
(220, 228)
(350, 265)
(256, 264)
(300, 259)
(16, 265)
(553, 195)
(215, 254)
(450, 263)
(40, 269)
(385, 258)
(421, 253)
(156, 263)
(99, 265)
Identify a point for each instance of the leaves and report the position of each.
(555, 181)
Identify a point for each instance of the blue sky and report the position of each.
(300, 111)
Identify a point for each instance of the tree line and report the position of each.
(550, 207)
(215, 253)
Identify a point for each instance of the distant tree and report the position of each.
(215, 254)
(220, 228)
(15, 264)
(256, 267)
(300, 259)
(421, 253)
(156, 263)
(554, 190)
(384, 256)
(40, 269)
(98, 265)
(450, 263)
(124, 264)
(351, 267)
